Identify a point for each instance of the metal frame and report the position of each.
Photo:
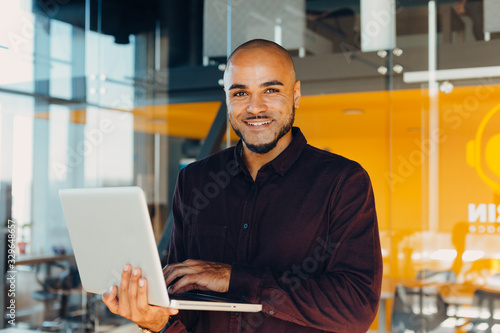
(210, 145)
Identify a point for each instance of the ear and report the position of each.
(296, 94)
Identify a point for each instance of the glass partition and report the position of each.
(84, 102)
(444, 261)
(101, 93)
(348, 103)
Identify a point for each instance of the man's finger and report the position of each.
(132, 289)
(124, 306)
(109, 298)
(174, 273)
(181, 270)
(188, 282)
(186, 263)
(187, 288)
(142, 297)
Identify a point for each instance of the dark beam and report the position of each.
(210, 145)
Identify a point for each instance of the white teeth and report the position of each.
(260, 124)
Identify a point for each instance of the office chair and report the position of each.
(56, 289)
(417, 309)
(430, 275)
(487, 304)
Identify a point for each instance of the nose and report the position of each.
(256, 104)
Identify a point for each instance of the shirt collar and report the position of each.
(284, 161)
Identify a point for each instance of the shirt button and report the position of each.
(245, 226)
(271, 312)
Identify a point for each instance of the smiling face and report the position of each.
(261, 95)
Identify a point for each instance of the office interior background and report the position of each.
(98, 93)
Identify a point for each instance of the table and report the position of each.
(382, 310)
(459, 296)
(27, 259)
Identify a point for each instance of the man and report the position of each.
(271, 221)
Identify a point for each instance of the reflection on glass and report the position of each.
(108, 114)
(16, 45)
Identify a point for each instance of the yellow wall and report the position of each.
(385, 135)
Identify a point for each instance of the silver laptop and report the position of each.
(110, 227)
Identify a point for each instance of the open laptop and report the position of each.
(110, 227)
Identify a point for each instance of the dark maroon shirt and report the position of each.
(302, 240)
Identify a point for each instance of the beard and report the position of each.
(267, 147)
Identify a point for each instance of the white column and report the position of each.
(433, 217)
(378, 25)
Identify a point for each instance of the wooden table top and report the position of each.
(451, 292)
(27, 259)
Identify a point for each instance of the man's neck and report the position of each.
(255, 161)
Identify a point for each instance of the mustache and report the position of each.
(259, 116)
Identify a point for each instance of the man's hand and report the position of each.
(197, 274)
(133, 301)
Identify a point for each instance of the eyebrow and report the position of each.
(265, 84)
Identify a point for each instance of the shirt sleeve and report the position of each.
(344, 297)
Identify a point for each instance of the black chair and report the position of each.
(485, 302)
(56, 289)
(417, 309)
(430, 275)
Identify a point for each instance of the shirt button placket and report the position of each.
(253, 197)
(247, 216)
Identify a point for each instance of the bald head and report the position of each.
(261, 96)
(261, 45)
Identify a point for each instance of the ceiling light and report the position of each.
(446, 87)
(444, 254)
(397, 52)
(353, 111)
(382, 70)
(157, 121)
(398, 69)
(472, 255)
